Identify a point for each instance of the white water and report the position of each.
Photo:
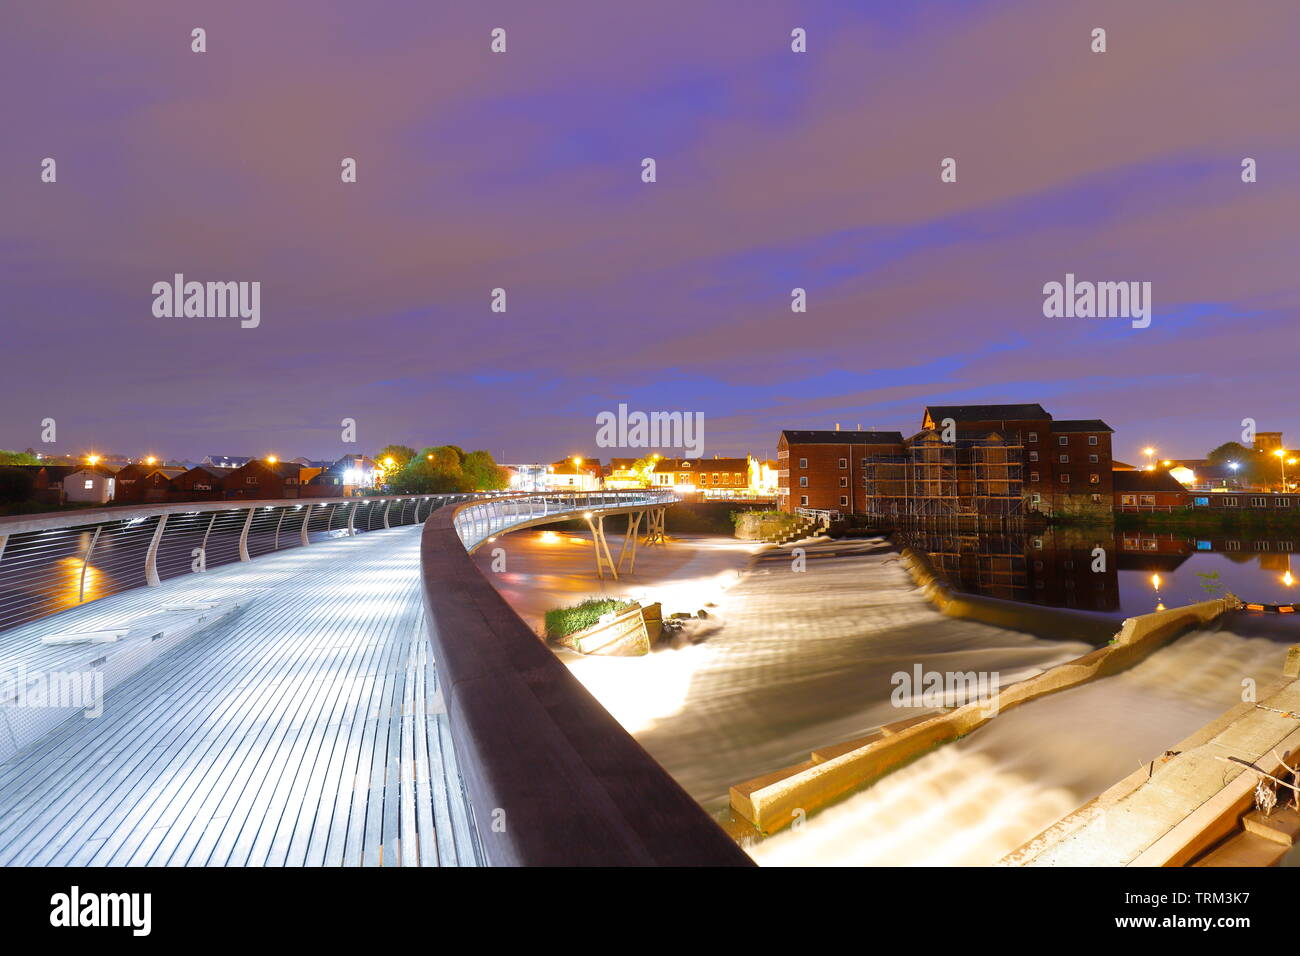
(975, 800)
(804, 660)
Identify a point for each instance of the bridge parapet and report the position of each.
(551, 777)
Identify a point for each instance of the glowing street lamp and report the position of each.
(92, 459)
(272, 459)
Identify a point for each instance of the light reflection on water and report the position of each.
(1142, 571)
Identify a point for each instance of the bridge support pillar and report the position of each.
(657, 518)
(603, 560)
(628, 550)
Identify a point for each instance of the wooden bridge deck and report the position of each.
(303, 729)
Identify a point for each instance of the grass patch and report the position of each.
(563, 621)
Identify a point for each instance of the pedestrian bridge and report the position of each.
(327, 682)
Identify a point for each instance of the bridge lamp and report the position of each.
(586, 514)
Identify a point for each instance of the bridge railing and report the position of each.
(477, 522)
(551, 777)
(56, 560)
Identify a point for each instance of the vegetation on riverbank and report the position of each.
(563, 621)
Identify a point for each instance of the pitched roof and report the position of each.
(212, 470)
(986, 413)
(702, 464)
(1081, 425)
(1147, 481)
(828, 437)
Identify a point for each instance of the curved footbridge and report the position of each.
(254, 683)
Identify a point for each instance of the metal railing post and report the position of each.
(352, 514)
(302, 532)
(243, 535)
(151, 556)
(387, 506)
(81, 591)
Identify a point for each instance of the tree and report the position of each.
(18, 458)
(400, 454)
(482, 473)
(1253, 468)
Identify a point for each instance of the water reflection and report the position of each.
(1056, 567)
(1142, 571)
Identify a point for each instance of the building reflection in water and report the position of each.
(1056, 567)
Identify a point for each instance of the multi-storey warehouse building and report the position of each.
(967, 460)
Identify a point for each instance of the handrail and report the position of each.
(551, 777)
(56, 560)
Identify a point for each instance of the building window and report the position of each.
(803, 500)
(1148, 499)
(803, 462)
(844, 481)
(1063, 440)
(1094, 479)
(1092, 439)
(864, 463)
(1036, 499)
(1033, 436)
(1128, 499)
(1259, 502)
(803, 481)
(1284, 502)
(1033, 456)
(1229, 502)
(844, 501)
(1065, 459)
(90, 483)
(1065, 479)
(250, 480)
(844, 463)
(1092, 459)
(1150, 544)
(1033, 476)
(1096, 499)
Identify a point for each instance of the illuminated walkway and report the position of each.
(305, 729)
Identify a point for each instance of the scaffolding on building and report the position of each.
(972, 477)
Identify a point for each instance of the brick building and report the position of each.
(701, 474)
(824, 469)
(1000, 460)
(1148, 491)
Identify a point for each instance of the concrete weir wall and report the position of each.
(773, 801)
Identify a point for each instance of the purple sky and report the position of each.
(522, 171)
